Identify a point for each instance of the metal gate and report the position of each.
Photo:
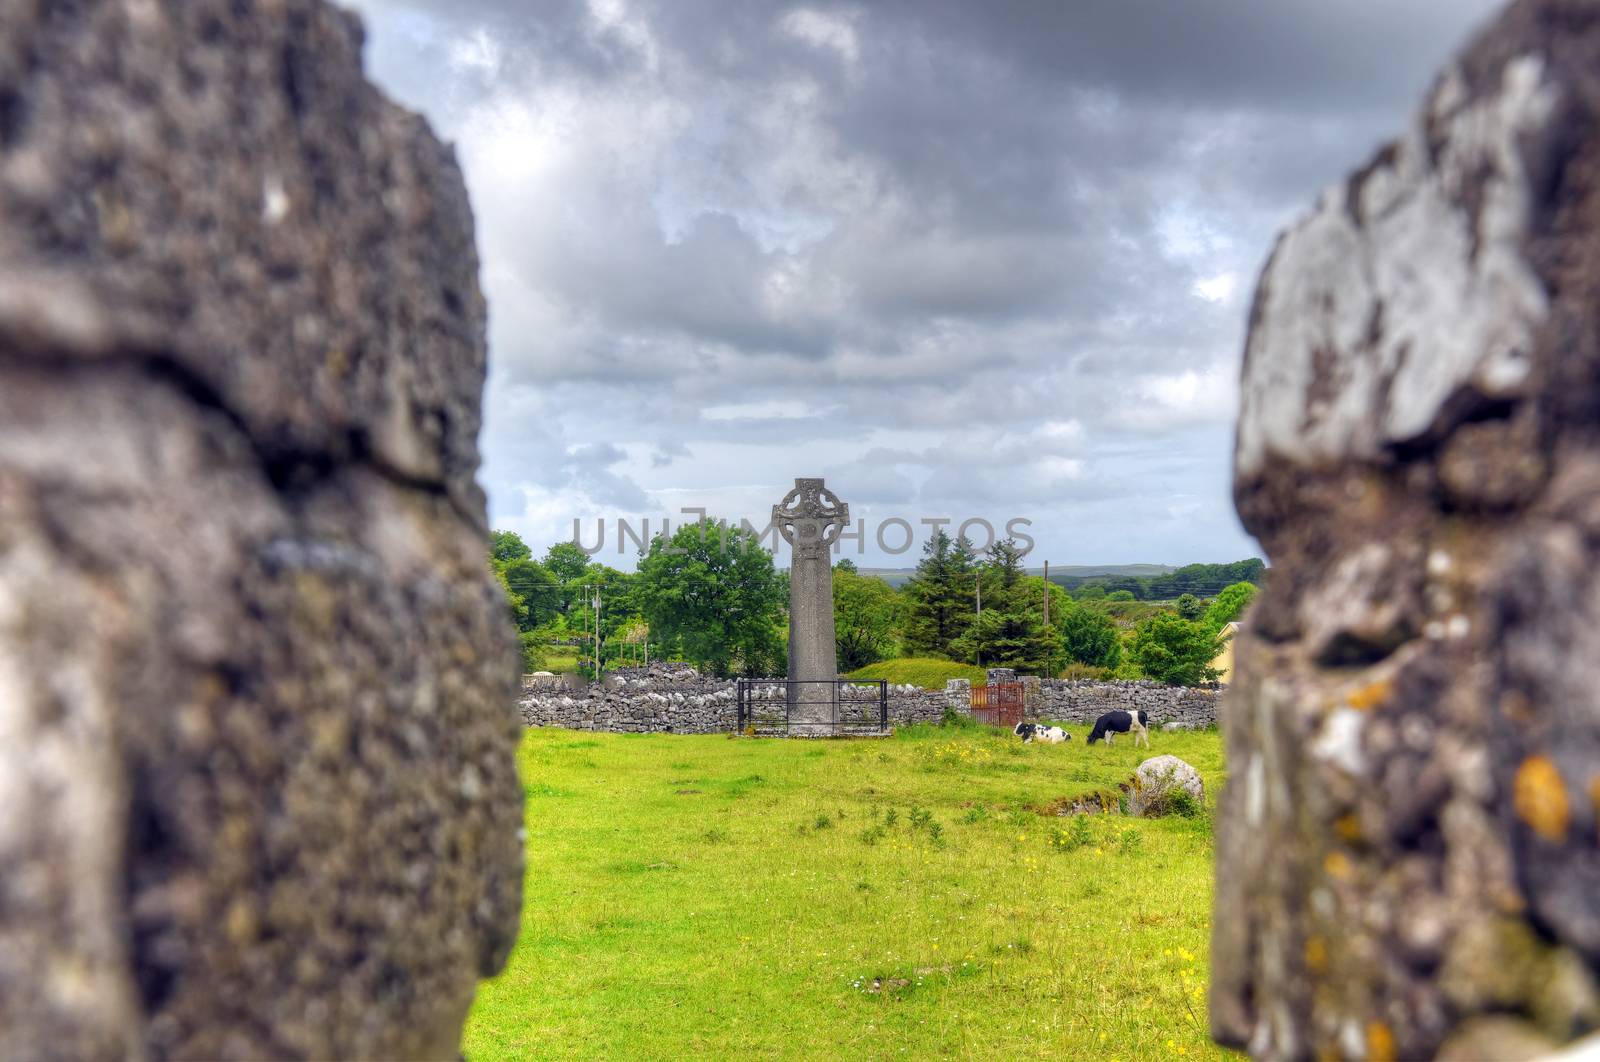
(998, 705)
(858, 707)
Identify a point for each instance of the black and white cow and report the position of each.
(1120, 723)
(1050, 735)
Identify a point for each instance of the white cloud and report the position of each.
(956, 260)
(778, 409)
(1216, 288)
(825, 30)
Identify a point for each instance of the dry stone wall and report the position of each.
(677, 699)
(1084, 701)
(257, 788)
(1408, 854)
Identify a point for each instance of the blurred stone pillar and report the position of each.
(1408, 858)
(257, 687)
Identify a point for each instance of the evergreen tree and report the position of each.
(939, 597)
(1010, 632)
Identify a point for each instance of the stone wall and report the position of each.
(674, 698)
(1083, 701)
(258, 796)
(670, 698)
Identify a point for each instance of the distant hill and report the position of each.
(1058, 574)
(1147, 582)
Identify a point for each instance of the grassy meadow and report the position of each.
(928, 672)
(692, 897)
(560, 660)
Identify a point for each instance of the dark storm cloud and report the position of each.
(766, 235)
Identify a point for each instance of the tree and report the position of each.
(1189, 607)
(1009, 637)
(507, 546)
(1090, 637)
(1202, 579)
(865, 610)
(1229, 605)
(939, 596)
(567, 561)
(514, 603)
(711, 592)
(1010, 631)
(1171, 649)
(1005, 565)
(618, 606)
(521, 580)
(532, 582)
(1120, 595)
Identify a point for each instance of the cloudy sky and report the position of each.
(963, 259)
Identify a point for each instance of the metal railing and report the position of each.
(839, 706)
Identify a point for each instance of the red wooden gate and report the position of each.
(998, 705)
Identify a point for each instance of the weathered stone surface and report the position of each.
(1408, 840)
(1157, 777)
(1496, 1039)
(256, 687)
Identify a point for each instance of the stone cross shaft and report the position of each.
(810, 518)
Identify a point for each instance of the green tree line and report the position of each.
(712, 596)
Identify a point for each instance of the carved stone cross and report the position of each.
(811, 518)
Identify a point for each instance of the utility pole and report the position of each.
(597, 634)
(978, 585)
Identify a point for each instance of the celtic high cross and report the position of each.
(811, 519)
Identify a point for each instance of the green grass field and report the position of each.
(928, 672)
(561, 660)
(692, 897)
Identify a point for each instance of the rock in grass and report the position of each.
(1413, 738)
(1157, 779)
(257, 791)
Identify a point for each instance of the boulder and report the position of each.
(256, 684)
(1156, 779)
(1413, 734)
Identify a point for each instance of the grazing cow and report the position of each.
(1120, 723)
(1050, 735)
